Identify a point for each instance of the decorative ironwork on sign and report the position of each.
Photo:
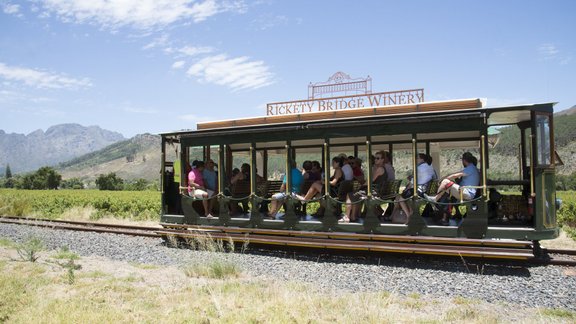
(340, 82)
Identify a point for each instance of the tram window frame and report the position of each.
(544, 145)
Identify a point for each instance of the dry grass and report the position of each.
(561, 242)
(111, 291)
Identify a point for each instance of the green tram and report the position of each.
(525, 208)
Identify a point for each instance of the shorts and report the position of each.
(454, 190)
(199, 193)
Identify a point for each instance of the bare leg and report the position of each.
(314, 189)
(443, 186)
(274, 206)
(206, 208)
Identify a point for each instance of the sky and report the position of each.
(145, 66)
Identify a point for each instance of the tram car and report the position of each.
(519, 207)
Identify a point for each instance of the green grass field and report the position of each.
(133, 205)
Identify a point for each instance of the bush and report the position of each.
(109, 181)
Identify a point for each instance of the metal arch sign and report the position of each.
(402, 97)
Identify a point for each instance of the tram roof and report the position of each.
(424, 113)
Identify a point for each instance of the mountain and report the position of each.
(134, 158)
(58, 144)
(567, 112)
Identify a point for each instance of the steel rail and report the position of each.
(84, 226)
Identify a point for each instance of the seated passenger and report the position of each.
(379, 176)
(196, 187)
(470, 177)
(244, 173)
(425, 174)
(337, 177)
(210, 180)
(295, 185)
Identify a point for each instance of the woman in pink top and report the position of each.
(196, 187)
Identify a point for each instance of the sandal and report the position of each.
(344, 219)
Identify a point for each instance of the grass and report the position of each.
(559, 313)
(32, 291)
(65, 254)
(216, 269)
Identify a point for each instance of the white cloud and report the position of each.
(140, 14)
(237, 73)
(178, 65)
(41, 79)
(548, 50)
(195, 50)
(11, 9)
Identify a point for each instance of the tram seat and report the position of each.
(388, 189)
(241, 189)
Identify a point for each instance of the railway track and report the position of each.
(334, 242)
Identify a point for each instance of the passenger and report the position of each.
(357, 172)
(210, 180)
(243, 174)
(425, 174)
(196, 186)
(379, 176)
(279, 198)
(210, 177)
(337, 177)
(470, 177)
(347, 168)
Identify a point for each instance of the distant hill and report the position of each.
(565, 112)
(138, 157)
(58, 144)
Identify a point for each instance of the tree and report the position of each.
(109, 181)
(9, 181)
(43, 178)
(8, 172)
(72, 183)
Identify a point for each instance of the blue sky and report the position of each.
(137, 66)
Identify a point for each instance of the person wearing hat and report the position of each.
(470, 177)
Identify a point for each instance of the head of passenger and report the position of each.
(293, 164)
(210, 164)
(235, 171)
(194, 164)
(245, 168)
(337, 162)
(307, 166)
(468, 158)
(316, 167)
(200, 165)
(424, 158)
(379, 159)
(357, 163)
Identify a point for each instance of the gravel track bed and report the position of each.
(533, 286)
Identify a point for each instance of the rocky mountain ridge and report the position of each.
(57, 144)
